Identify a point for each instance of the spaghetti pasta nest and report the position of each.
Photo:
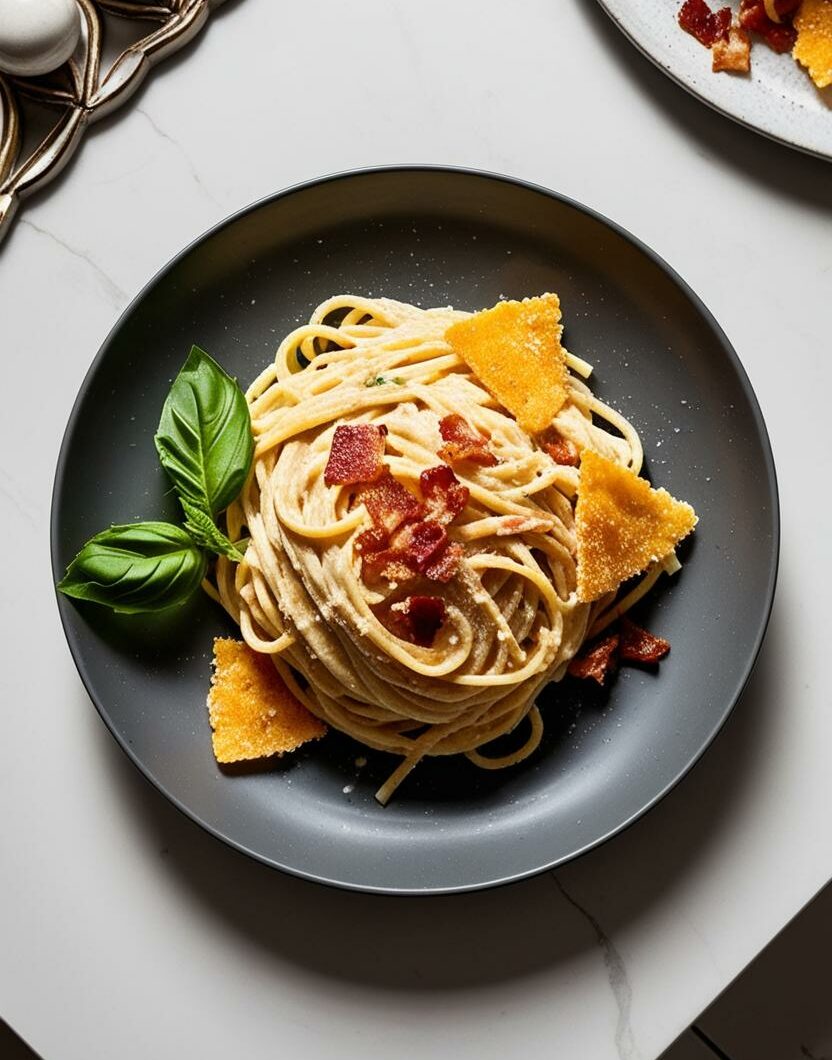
(513, 621)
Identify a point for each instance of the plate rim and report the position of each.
(64, 605)
(616, 14)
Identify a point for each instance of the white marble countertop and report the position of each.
(127, 932)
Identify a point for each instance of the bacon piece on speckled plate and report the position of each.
(696, 18)
(780, 36)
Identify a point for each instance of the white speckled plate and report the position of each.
(777, 99)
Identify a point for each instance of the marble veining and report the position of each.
(115, 294)
(616, 973)
(12, 492)
(175, 143)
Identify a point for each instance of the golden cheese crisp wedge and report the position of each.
(252, 712)
(622, 525)
(514, 350)
(813, 47)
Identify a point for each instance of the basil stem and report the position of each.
(205, 532)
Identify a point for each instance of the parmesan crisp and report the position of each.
(252, 712)
(623, 525)
(514, 350)
(813, 47)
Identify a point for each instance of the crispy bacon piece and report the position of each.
(378, 560)
(780, 36)
(420, 544)
(597, 660)
(637, 645)
(696, 18)
(416, 548)
(387, 564)
(560, 449)
(445, 566)
(372, 540)
(732, 54)
(444, 494)
(631, 644)
(389, 503)
(402, 542)
(355, 455)
(419, 618)
(462, 442)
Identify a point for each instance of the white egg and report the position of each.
(37, 36)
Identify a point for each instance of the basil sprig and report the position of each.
(205, 444)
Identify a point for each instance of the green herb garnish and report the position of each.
(206, 533)
(205, 444)
(137, 567)
(204, 439)
(380, 380)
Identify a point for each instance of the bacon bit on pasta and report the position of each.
(596, 661)
(560, 449)
(637, 645)
(420, 618)
(387, 564)
(696, 18)
(416, 548)
(389, 503)
(780, 36)
(356, 454)
(402, 543)
(462, 442)
(420, 544)
(444, 494)
(372, 540)
(732, 55)
(523, 524)
(447, 564)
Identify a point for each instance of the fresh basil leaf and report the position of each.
(136, 567)
(204, 439)
(206, 533)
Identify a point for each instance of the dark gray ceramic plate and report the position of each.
(435, 237)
